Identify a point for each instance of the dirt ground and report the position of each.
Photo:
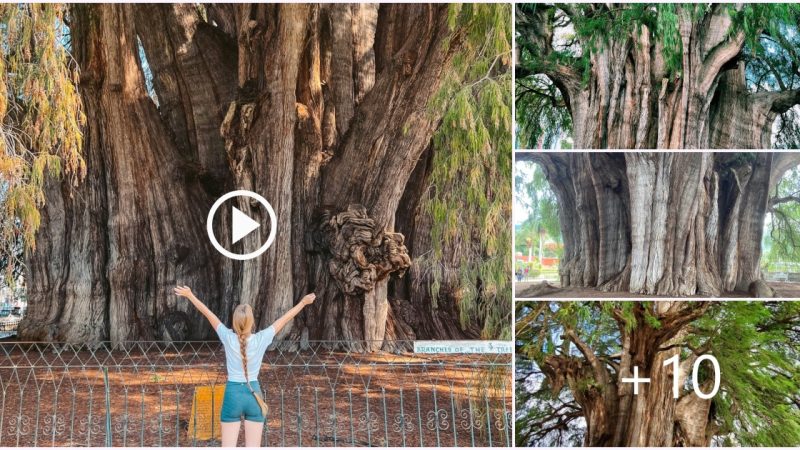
(785, 289)
(329, 399)
(536, 290)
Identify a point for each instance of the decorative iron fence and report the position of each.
(165, 394)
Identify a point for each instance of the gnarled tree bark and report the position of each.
(112, 250)
(673, 224)
(630, 98)
(616, 417)
(322, 109)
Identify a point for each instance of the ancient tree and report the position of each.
(668, 76)
(572, 358)
(672, 224)
(337, 114)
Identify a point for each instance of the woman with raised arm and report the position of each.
(243, 354)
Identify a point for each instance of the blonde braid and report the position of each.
(243, 325)
(243, 348)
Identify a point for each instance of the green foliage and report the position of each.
(532, 191)
(754, 19)
(771, 66)
(595, 24)
(534, 268)
(782, 229)
(667, 22)
(468, 200)
(758, 355)
(41, 117)
(757, 345)
(542, 117)
(576, 33)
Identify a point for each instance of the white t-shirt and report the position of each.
(256, 346)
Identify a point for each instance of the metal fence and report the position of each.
(149, 394)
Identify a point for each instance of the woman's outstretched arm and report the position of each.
(185, 291)
(284, 319)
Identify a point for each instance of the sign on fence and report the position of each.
(491, 347)
(204, 423)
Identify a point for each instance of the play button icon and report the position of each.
(241, 225)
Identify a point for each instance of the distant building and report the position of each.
(546, 261)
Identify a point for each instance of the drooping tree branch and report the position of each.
(672, 323)
(720, 44)
(597, 365)
(785, 199)
(538, 28)
(718, 57)
(781, 163)
(781, 101)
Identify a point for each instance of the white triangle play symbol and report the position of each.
(242, 225)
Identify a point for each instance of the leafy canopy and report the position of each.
(538, 204)
(542, 116)
(782, 228)
(468, 201)
(41, 117)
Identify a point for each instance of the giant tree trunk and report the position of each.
(410, 296)
(112, 250)
(349, 134)
(743, 119)
(653, 417)
(322, 109)
(632, 99)
(662, 223)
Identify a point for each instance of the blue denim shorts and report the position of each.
(239, 403)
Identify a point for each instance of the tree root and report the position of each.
(538, 290)
(760, 289)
